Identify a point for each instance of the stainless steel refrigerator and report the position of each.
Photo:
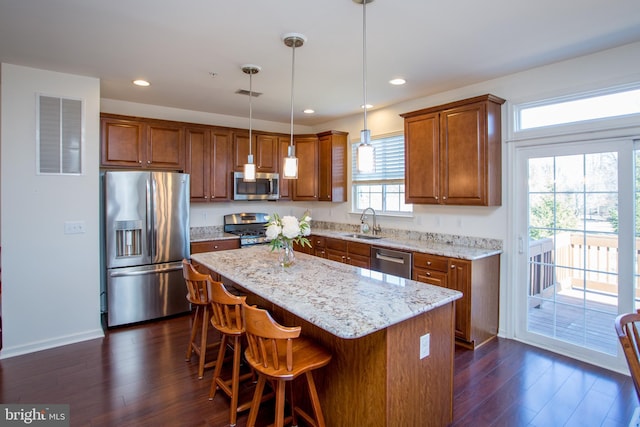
(146, 226)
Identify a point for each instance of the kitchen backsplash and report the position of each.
(475, 242)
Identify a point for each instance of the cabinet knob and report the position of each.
(428, 262)
(140, 161)
(444, 197)
(215, 247)
(453, 266)
(148, 162)
(428, 274)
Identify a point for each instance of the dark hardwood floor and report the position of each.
(137, 376)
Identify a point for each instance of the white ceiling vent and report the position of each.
(246, 92)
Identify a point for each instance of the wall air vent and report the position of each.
(246, 92)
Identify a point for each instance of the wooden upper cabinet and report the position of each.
(453, 153)
(122, 142)
(422, 158)
(165, 146)
(209, 152)
(146, 144)
(264, 148)
(306, 186)
(332, 166)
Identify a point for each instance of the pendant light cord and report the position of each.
(250, 106)
(364, 59)
(293, 71)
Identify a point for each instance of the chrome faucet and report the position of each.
(376, 228)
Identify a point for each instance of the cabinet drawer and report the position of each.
(214, 245)
(317, 242)
(336, 244)
(432, 277)
(360, 249)
(431, 262)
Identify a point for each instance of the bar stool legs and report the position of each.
(231, 386)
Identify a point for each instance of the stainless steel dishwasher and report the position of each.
(391, 261)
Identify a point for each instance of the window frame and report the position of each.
(385, 183)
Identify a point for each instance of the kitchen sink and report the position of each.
(363, 236)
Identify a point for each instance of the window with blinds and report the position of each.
(59, 135)
(383, 190)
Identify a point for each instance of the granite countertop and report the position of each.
(346, 301)
(415, 245)
(203, 234)
(435, 244)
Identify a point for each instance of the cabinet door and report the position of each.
(306, 186)
(122, 143)
(422, 165)
(463, 148)
(198, 164)
(285, 184)
(165, 147)
(266, 153)
(240, 149)
(220, 165)
(460, 280)
(332, 167)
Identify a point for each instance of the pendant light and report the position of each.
(290, 170)
(249, 174)
(365, 154)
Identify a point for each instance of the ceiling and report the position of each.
(192, 51)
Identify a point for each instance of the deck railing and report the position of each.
(585, 262)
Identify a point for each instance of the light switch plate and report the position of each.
(74, 227)
(425, 342)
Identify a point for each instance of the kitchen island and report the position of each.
(392, 339)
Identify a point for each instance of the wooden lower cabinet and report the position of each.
(352, 253)
(214, 245)
(476, 313)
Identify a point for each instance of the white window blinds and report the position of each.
(389, 162)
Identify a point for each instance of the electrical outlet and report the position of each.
(425, 343)
(74, 227)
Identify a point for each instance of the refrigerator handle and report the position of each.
(151, 238)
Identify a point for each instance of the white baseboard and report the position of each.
(8, 352)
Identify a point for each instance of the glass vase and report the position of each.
(287, 256)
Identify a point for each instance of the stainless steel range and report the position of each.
(251, 227)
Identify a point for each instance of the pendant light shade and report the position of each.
(365, 154)
(290, 169)
(249, 174)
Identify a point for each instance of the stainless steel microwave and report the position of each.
(265, 187)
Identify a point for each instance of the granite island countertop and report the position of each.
(346, 301)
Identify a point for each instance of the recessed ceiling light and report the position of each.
(141, 83)
(308, 111)
(397, 82)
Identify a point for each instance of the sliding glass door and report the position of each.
(576, 258)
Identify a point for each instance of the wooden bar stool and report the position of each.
(280, 354)
(198, 295)
(227, 319)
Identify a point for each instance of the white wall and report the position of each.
(50, 281)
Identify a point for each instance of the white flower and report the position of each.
(273, 230)
(290, 227)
